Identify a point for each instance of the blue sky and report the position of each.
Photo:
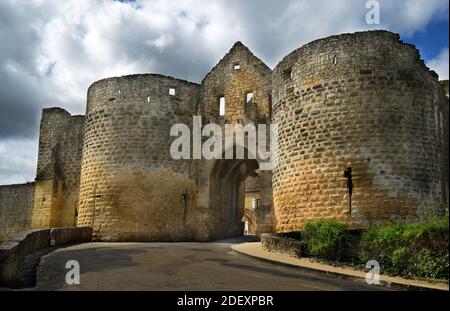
(432, 40)
(52, 50)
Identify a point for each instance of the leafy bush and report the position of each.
(417, 249)
(325, 237)
(430, 264)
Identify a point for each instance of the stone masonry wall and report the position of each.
(365, 102)
(362, 137)
(58, 169)
(236, 75)
(70, 162)
(16, 205)
(131, 188)
(252, 184)
(18, 246)
(234, 84)
(443, 138)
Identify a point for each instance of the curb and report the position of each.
(344, 276)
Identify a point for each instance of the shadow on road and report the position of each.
(236, 240)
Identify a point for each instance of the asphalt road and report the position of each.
(176, 266)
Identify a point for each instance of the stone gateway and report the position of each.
(362, 137)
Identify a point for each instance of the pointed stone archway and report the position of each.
(227, 197)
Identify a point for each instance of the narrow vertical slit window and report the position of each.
(349, 176)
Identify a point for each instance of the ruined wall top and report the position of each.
(142, 88)
(243, 82)
(367, 53)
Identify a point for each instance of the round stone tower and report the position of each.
(131, 188)
(357, 132)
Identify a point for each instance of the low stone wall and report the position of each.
(16, 207)
(20, 245)
(275, 243)
(293, 245)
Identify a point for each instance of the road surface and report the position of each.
(176, 266)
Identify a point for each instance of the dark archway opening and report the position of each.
(228, 193)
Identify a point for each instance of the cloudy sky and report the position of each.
(52, 50)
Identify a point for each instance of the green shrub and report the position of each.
(417, 249)
(429, 264)
(325, 237)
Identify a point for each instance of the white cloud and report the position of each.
(53, 50)
(440, 64)
(162, 42)
(18, 160)
(408, 17)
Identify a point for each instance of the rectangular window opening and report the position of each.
(236, 66)
(148, 99)
(222, 106)
(249, 98)
(255, 203)
(287, 74)
(172, 91)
